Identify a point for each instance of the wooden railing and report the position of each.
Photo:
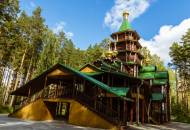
(97, 106)
(91, 103)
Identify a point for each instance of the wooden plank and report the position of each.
(134, 95)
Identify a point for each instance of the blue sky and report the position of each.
(159, 22)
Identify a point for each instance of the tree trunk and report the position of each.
(28, 75)
(18, 77)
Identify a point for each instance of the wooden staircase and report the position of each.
(91, 103)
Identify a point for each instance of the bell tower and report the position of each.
(126, 43)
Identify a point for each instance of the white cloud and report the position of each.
(61, 27)
(32, 4)
(135, 8)
(168, 34)
(69, 34)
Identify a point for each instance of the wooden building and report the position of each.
(109, 93)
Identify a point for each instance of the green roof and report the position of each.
(120, 91)
(108, 67)
(130, 63)
(161, 75)
(157, 96)
(160, 81)
(125, 25)
(147, 75)
(150, 68)
(92, 73)
(41, 78)
(96, 82)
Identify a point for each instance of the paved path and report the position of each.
(7, 123)
(168, 126)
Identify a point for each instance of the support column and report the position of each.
(131, 114)
(125, 111)
(137, 106)
(143, 105)
(43, 91)
(118, 109)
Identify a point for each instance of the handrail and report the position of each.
(88, 101)
(99, 107)
(82, 98)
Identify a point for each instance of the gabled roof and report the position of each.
(90, 66)
(40, 80)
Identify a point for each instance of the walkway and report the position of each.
(7, 123)
(168, 126)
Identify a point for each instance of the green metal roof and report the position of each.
(92, 73)
(125, 25)
(157, 96)
(130, 63)
(96, 82)
(161, 75)
(160, 81)
(108, 67)
(150, 68)
(147, 75)
(120, 91)
(23, 90)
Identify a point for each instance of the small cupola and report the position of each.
(125, 24)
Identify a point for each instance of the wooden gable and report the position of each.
(58, 72)
(89, 68)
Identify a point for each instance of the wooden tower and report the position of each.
(126, 43)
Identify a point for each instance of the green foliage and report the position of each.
(152, 59)
(179, 113)
(8, 31)
(180, 54)
(5, 109)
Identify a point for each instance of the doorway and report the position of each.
(59, 110)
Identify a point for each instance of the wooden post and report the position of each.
(137, 106)
(108, 80)
(124, 111)
(131, 114)
(118, 108)
(112, 81)
(29, 91)
(148, 111)
(73, 91)
(44, 87)
(166, 99)
(143, 105)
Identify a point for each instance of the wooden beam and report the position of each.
(137, 106)
(131, 114)
(42, 95)
(135, 95)
(118, 108)
(143, 105)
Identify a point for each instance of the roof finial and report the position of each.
(125, 15)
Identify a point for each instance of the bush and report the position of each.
(179, 112)
(5, 109)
